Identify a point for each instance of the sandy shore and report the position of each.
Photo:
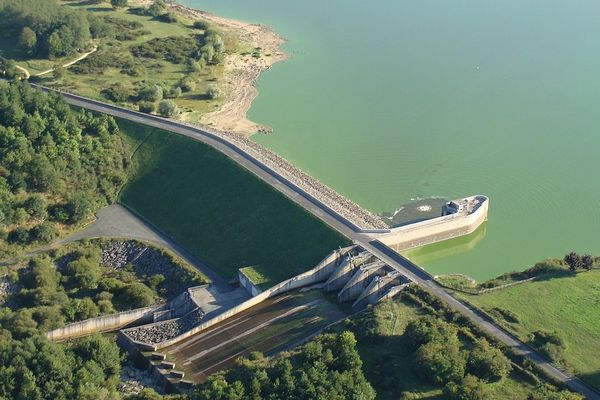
(241, 71)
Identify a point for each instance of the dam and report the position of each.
(457, 218)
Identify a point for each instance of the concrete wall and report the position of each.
(318, 274)
(434, 230)
(104, 324)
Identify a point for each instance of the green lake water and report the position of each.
(392, 100)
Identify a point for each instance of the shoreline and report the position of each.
(230, 121)
(241, 70)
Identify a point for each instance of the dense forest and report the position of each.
(57, 165)
(44, 28)
(327, 368)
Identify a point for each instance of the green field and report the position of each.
(218, 211)
(567, 304)
(387, 360)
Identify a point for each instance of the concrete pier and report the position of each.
(361, 279)
(345, 270)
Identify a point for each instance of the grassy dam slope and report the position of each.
(221, 213)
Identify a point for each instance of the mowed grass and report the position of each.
(220, 212)
(568, 304)
(387, 358)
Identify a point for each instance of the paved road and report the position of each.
(337, 222)
(118, 222)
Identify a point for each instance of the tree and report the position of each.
(573, 260)
(199, 24)
(157, 8)
(167, 108)
(427, 329)
(152, 93)
(84, 273)
(35, 206)
(487, 362)
(118, 3)
(19, 236)
(470, 388)
(59, 72)
(28, 40)
(8, 68)
(147, 107)
(213, 92)
(587, 262)
(44, 233)
(439, 362)
(136, 295)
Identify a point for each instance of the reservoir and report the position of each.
(392, 101)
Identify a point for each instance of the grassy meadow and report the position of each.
(218, 211)
(568, 304)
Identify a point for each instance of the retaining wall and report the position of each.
(315, 275)
(435, 230)
(104, 324)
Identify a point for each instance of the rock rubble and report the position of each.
(162, 331)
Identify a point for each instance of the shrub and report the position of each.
(136, 295)
(44, 233)
(168, 17)
(429, 329)
(152, 93)
(19, 236)
(487, 362)
(187, 84)
(167, 108)
(439, 363)
(199, 24)
(470, 388)
(147, 107)
(117, 92)
(174, 93)
(118, 3)
(213, 92)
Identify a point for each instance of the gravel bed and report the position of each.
(158, 333)
(134, 380)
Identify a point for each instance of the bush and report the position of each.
(118, 3)
(168, 17)
(147, 107)
(167, 108)
(429, 329)
(199, 24)
(152, 93)
(44, 233)
(117, 92)
(84, 273)
(175, 49)
(487, 362)
(136, 295)
(470, 388)
(19, 236)
(187, 84)
(213, 92)
(174, 93)
(439, 363)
